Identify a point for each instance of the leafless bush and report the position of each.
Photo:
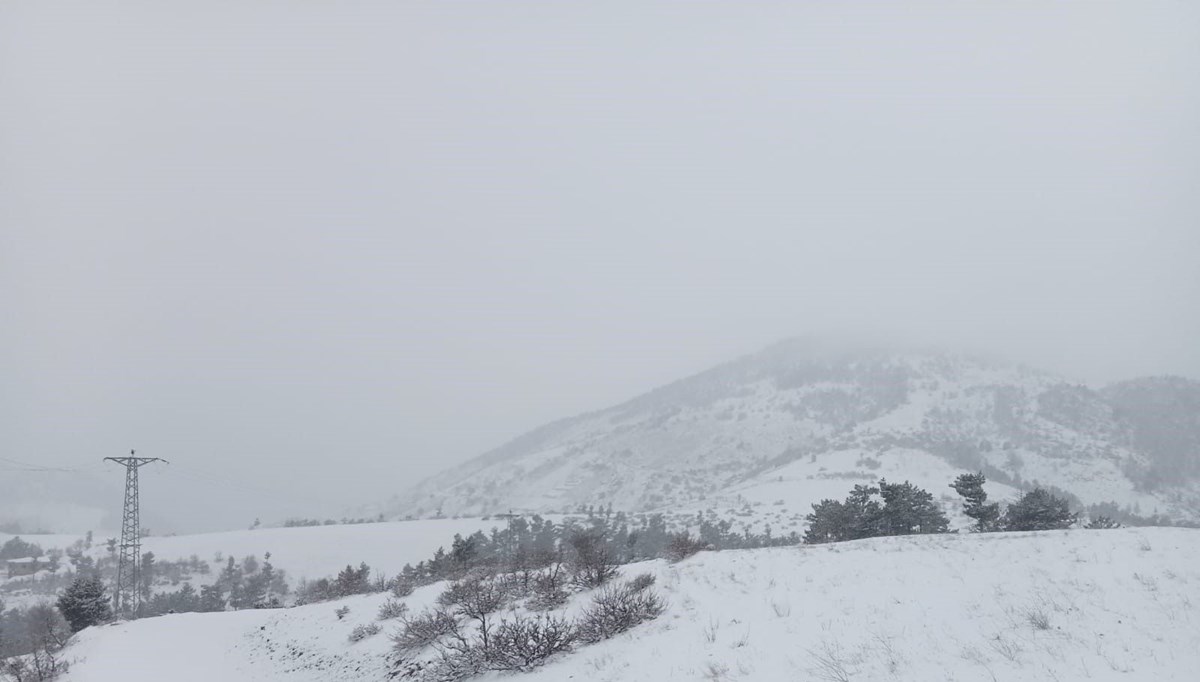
(454, 664)
(361, 632)
(592, 564)
(401, 587)
(474, 597)
(392, 608)
(42, 665)
(524, 643)
(641, 582)
(342, 612)
(682, 546)
(423, 630)
(549, 589)
(617, 608)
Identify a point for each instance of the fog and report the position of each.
(313, 252)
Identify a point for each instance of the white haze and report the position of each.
(312, 252)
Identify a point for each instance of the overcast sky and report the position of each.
(326, 249)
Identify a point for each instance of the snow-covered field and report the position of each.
(318, 551)
(308, 552)
(1063, 606)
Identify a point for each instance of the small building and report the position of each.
(26, 566)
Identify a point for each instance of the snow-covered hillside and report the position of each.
(318, 551)
(305, 552)
(799, 410)
(302, 553)
(1063, 606)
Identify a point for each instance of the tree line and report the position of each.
(888, 509)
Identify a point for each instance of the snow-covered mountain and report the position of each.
(805, 419)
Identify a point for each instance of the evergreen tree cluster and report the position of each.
(902, 509)
(16, 548)
(246, 584)
(348, 582)
(1037, 509)
(307, 523)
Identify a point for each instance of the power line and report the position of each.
(26, 466)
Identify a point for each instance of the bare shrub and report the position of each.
(682, 546)
(592, 564)
(392, 608)
(549, 589)
(342, 612)
(454, 664)
(641, 582)
(41, 665)
(524, 643)
(474, 597)
(423, 630)
(401, 587)
(617, 608)
(361, 632)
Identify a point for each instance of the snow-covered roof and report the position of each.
(26, 560)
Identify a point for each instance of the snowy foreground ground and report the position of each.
(1057, 606)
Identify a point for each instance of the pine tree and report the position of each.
(828, 522)
(909, 510)
(1039, 509)
(146, 576)
(265, 583)
(186, 599)
(975, 506)
(865, 516)
(85, 603)
(212, 598)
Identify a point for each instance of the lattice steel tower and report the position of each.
(126, 596)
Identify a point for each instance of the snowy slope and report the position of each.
(302, 553)
(307, 552)
(794, 409)
(1058, 606)
(318, 551)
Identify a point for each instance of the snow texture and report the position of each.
(1061, 606)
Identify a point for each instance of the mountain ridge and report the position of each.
(693, 440)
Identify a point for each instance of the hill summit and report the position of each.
(817, 415)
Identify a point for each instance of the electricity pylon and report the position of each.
(127, 596)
